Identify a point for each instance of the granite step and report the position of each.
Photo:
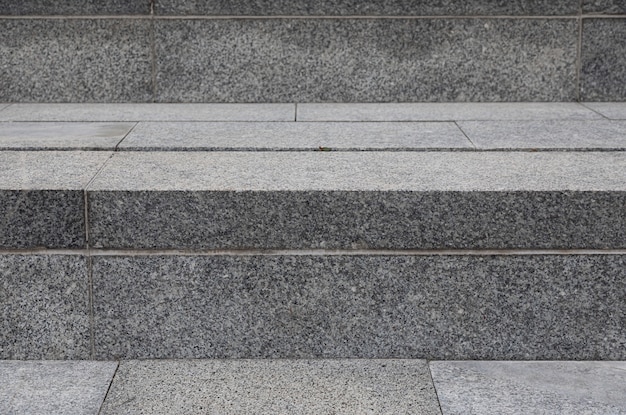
(445, 232)
(312, 387)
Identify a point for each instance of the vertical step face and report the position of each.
(436, 307)
(328, 51)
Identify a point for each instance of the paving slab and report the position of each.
(41, 56)
(295, 136)
(42, 201)
(555, 135)
(611, 110)
(395, 200)
(54, 387)
(44, 308)
(496, 307)
(3, 106)
(604, 6)
(603, 61)
(364, 8)
(365, 60)
(511, 388)
(442, 111)
(149, 112)
(272, 387)
(62, 136)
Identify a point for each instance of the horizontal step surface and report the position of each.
(312, 387)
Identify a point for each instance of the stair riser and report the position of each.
(438, 307)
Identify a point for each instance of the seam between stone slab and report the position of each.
(117, 146)
(597, 112)
(266, 17)
(579, 51)
(432, 379)
(93, 252)
(117, 367)
(465, 134)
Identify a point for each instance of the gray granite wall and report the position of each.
(323, 51)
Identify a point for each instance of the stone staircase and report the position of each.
(314, 207)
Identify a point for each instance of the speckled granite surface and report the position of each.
(603, 72)
(366, 7)
(44, 312)
(356, 60)
(273, 387)
(75, 60)
(445, 307)
(604, 6)
(75, 7)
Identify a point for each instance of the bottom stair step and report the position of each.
(311, 387)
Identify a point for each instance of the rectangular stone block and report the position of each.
(563, 135)
(149, 112)
(62, 136)
(517, 388)
(604, 6)
(274, 136)
(273, 387)
(75, 60)
(366, 200)
(52, 387)
(446, 111)
(44, 307)
(42, 202)
(358, 306)
(75, 7)
(365, 60)
(611, 110)
(366, 8)
(603, 60)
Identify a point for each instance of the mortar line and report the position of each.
(109, 387)
(92, 252)
(597, 112)
(335, 17)
(124, 137)
(153, 51)
(295, 115)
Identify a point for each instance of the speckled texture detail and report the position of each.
(357, 220)
(365, 7)
(272, 387)
(44, 307)
(437, 307)
(74, 7)
(76, 60)
(604, 6)
(43, 218)
(294, 136)
(62, 136)
(519, 388)
(611, 110)
(365, 60)
(51, 387)
(565, 135)
(603, 72)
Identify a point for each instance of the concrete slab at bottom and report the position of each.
(53, 387)
(512, 388)
(272, 387)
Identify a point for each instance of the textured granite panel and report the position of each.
(272, 387)
(360, 200)
(357, 220)
(445, 111)
(44, 388)
(149, 112)
(44, 307)
(74, 7)
(363, 171)
(604, 6)
(75, 60)
(611, 110)
(570, 135)
(365, 60)
(603, 71)
(304, 306)
(62, 136)
(486, 388)
(295, 136)
(41, 197)
(366, 8)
